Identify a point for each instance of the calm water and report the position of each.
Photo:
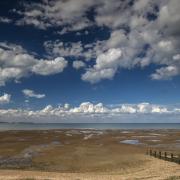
(40, 126)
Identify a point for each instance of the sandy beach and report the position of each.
(87, 154)
(155, 169)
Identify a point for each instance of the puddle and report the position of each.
(56, 143)
(88, 136)
(73, 132)
(125, 132)
(156, 134)
(154, 140)
(131, 141)
(22, 139)
(144, 136)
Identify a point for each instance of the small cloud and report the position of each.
(78, 64)
(6, 98)
(165, 73)
(47, 67)
(5, 20)
(31, 93)
(26, 101)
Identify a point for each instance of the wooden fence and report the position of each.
(167, 156)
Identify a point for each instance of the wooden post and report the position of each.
(165, 155)
(172, 157)
(154, 153)
(160, 154)
(179, 159)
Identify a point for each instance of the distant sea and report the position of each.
(101, 126)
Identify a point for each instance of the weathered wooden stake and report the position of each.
(154, 153)
(172, 157)
(165, 155)
(160, 154)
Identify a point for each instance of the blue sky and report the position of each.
(118, 53)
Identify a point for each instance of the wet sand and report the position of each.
(87, 154)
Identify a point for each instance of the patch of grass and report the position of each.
(173, 178)
(30, 179)
(27, 179)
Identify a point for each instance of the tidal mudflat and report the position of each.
(103, 152)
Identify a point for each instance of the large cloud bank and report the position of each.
(89, 112)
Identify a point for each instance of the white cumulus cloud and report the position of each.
(16, 62)
(47, 67)
(78, 64)
(89, 112)
(165, 73)
(105, 67)
(5, 98)
(31, 93)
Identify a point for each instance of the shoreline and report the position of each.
(95, 126)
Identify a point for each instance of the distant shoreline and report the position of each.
(100, 126)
